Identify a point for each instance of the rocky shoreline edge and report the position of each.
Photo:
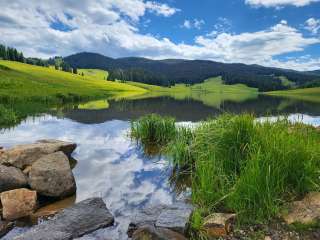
(30, 173)
(33, 176)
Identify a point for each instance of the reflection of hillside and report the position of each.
(186, 110)
(189, 110)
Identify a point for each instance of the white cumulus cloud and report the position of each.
(111, 27)
(313, 25)
(194, 23)
(279, 3)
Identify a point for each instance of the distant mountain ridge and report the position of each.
(170, 71)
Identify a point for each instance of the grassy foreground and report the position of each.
(304, 94)
(238, 164)
(23, 81)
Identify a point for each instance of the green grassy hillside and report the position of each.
(94, 73)
(23, 81)
(304, 94)
(211, 92)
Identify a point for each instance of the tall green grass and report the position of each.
(238, 164)
(154, 132)
(8, 117)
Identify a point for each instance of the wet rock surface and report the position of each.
(173, 218)
(76, 221)
(150, 232)
(11, 178)
(51, 176)
(18, 203)
(21, 156)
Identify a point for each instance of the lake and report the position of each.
(111, 166)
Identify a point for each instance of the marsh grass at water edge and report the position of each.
(237, 164)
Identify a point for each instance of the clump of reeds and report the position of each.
(238, 164)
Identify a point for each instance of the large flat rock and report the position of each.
(76, 221)
(11, 178)
(25, 155)
(51, 176)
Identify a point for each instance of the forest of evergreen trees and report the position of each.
(12, 54)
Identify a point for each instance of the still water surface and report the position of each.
(113, 167)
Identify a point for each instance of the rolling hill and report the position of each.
(171, 71)
(24, 81)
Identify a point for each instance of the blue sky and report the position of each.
(281, 33)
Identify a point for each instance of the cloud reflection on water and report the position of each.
(109, 166)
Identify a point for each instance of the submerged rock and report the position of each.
(150, 232)
(306, 211)
(51, 176)
(25, 155)
(218, 224)
(174, 217)
(51, 209)
(11, 178)
(76, 221)
(18, 203)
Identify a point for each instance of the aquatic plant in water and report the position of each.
(237, 164)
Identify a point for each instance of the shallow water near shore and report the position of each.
(111, 166)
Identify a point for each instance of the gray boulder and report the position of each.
(11, 178)
(150, 232)
(76, 221)
(175, 217)
(51, 176)
(25, 155)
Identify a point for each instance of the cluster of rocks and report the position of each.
(43, 169)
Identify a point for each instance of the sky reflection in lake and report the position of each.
(109, 166)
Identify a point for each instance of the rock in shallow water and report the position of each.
(51, 176)
(21, 156)
(18, 203)
(150, 232)
(76, 221)
(174, 217)
(11, 178)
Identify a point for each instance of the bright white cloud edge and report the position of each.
(103, 27)
(279, 3)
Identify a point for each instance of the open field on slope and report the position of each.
(94, 73)
(211, 92)
(303, 94)
(23, 81)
